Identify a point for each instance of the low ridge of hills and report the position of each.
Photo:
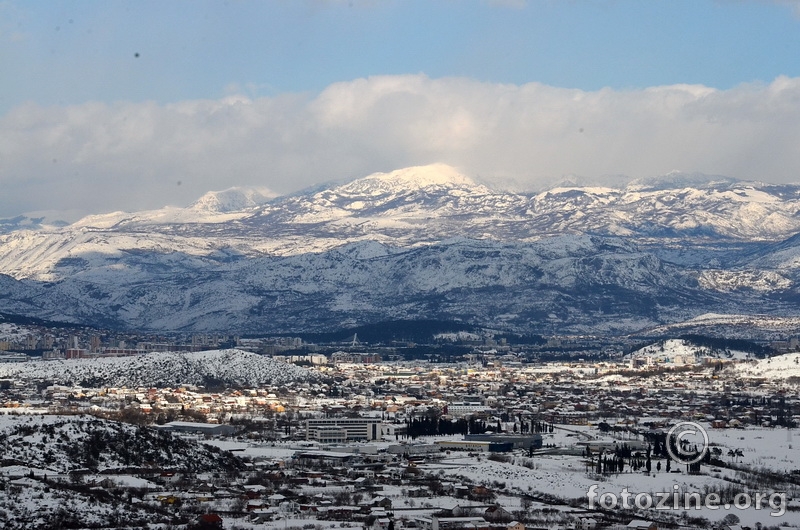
(229, 368)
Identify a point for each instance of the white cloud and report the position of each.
(101, 157)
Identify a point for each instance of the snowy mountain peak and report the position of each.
(423, 176)
(233, 199)
(411, 178)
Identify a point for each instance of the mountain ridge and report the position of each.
(233, 199)
(418, 243)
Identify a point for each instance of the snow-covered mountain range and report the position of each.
(423, 242)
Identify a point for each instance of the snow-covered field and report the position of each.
(566, 479)
(570, 478)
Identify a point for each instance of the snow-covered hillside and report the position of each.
(571, 282)
(52, 467)
(232, 200)
(733, 326)
(422, 242)
(677, 352)
(60, 444)
(229, 367)
(785, 366)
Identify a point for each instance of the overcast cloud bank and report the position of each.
(139, 155)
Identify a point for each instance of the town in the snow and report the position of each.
(467, 432)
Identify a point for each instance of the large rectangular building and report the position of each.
(519, 441)
(466, 408)
(210, 429)
(354, 429)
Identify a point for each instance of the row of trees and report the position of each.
(433, 425)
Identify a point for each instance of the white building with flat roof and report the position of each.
(364, 429)
(461, 409)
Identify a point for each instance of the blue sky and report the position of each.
(74, 51)
(78, 72)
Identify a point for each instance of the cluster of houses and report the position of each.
(557, 393)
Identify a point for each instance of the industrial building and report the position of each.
(340, 430)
